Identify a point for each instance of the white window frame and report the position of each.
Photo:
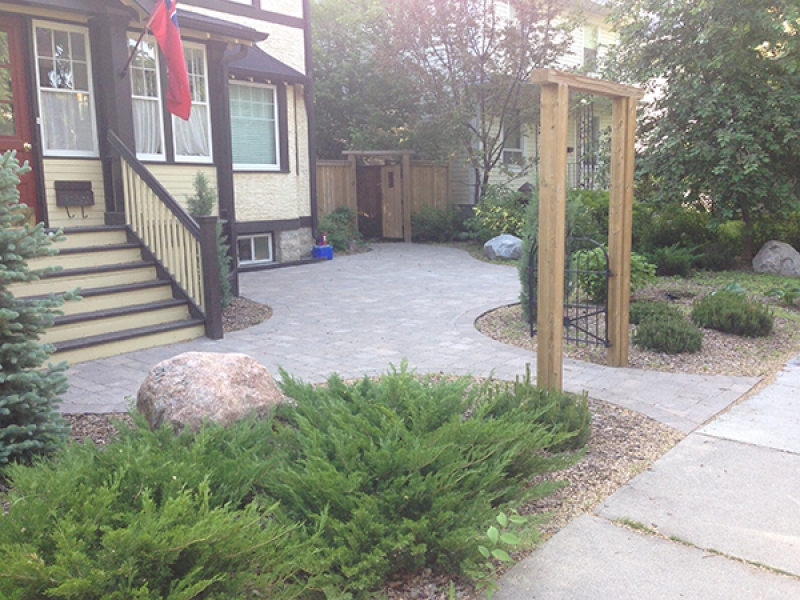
(94, 152)
(251, 238)
(513, 150)
(264, 167)
(185, 158)
(160, 157)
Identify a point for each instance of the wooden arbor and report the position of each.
(555, 88)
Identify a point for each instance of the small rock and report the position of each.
(193, 387)
(777, 258)
(504, 246)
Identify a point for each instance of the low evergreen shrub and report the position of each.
(673, 260)
(734, 313)
(500, 210)
(669, 334)
(641, 311)
(436, 225)
(152, 516)
(341, 226)
(351, 485)
(201, 204)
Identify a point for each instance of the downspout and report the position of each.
(308, 96)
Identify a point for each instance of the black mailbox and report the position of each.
(74, 193)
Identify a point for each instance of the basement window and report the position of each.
(255, 249)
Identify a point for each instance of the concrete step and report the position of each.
(103, 346)
(110, 321)
(88, 278)
(96, 256)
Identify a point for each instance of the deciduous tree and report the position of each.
(723, 130)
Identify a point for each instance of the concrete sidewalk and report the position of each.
(716, 517)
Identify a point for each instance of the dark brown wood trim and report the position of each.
(253, 12)
(283, 128)
(255, 227)
(308, 91)
(212, 299)
(222, 147)
(26, 26)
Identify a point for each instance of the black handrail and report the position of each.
(154, 184)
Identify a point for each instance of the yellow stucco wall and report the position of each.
(276, 196)
(64, 169)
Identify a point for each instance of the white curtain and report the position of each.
(191, 137)
(147, 126)
(67, 121)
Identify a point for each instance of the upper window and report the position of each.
(254, 131)
(148, 122)
(65, 89)
(591, 36)
(512, 134)
(193, 137)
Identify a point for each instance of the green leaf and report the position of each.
(517, 519)
(509, 538)
(501, 555)
(502, 519)
(484, 551)
(493, 534)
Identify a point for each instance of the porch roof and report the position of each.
(258, 64)
(211, 25)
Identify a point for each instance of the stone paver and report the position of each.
(358, 314)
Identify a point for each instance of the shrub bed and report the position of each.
(734, 313)
(669, 334)
(332, 495)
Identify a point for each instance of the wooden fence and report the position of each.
(430, 186)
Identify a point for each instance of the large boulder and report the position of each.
(193, 387)
(777, 258)
(505, 246)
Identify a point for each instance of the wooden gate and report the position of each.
(392, 192)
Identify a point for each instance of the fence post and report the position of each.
(211, 291)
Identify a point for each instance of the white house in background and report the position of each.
(587, 120)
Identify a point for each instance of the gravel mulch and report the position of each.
(243, 313)
(721, 353)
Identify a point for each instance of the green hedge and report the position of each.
(353, 484)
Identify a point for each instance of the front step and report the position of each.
(103, 346)
(125, 306)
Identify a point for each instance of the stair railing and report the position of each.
(185, 247)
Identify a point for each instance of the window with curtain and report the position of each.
(193, 137)
(513, 134)
(65, 89)
(254, 126)
(148, 123)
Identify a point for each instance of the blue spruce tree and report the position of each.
(30, 426)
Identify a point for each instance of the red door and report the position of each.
(15, 125)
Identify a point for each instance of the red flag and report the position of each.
(163, 23)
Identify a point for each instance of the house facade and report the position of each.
(83, 101)
(67, 86)
(589, 117)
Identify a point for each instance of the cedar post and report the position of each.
(405, 182)
(552, 211)
(620, 227)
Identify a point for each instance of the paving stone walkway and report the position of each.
(357, 315)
